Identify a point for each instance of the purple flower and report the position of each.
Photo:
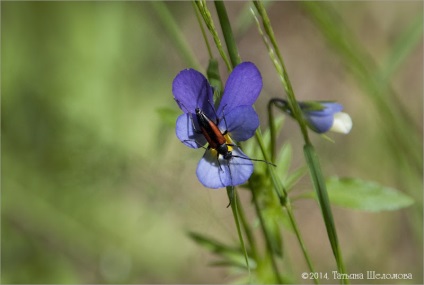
(321, 116)
(235, 115)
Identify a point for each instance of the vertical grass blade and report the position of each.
(207, 17)
(321, 190)
(310, 155)
(175, 33)
(227, 32)
(231, 192)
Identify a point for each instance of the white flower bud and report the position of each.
(342, 123)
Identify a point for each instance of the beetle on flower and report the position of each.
(235, 118)
(320, 116)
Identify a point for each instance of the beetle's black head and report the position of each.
(228, 155)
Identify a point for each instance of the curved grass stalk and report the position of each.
(206, 15)
(309, 151)
(235, 59)
(175, 33)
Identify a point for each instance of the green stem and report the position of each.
(206, 15)
(297, 113)
(277, 185)
(324, 201)
(235, 59)
(232, 194)
(228, 35)
(227, 32)
(299, 237)
(309, 152)
(272, 131)
(247, 229)
(197, 12)
(371, 78)
(285, 202)
(175, 33)
(266, 234)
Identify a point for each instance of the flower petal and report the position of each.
(241, 168)
(320, 124)
(186, 134)
(242, 88)
(232, 172)
(330, 108)
(321, 121)
(241, 123)
(192, 90)
(342, 123)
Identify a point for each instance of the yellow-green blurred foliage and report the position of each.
(96, 188)
(83, 199)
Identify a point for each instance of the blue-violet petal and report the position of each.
(186, 134)
(320, 124)
(192, 90)
(233, 172)
(242, 88)
(241, 122)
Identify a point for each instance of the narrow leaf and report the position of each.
(295, 176)
(212, 244)
(229, 255)
(324, 201)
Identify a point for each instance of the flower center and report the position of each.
(229, 141)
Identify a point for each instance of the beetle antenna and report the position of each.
(270, 163)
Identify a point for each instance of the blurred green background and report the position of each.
(96, 188)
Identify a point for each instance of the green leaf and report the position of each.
(295, 176)
(212, 244)
(177, 38)
(229, 255)
(365, 195)
(324, 202)
(401, 50)
(283, 161)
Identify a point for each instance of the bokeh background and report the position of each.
(96, 188)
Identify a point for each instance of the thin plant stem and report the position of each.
(297, 113)
(266, 234)
(247, 229)
(206, 15)
(309, 151)
(272, 131)
(197, 12)
(227, 32)
(238, 212)
(285, 202)
(232, 194)
(299, 238)
(324, 201)
(235, 59)
(175, 33)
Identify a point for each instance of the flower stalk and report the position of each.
(224, 164)
(206, 15)
(235, 58)
(309, 151)
(231, 192)
(227, 32)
